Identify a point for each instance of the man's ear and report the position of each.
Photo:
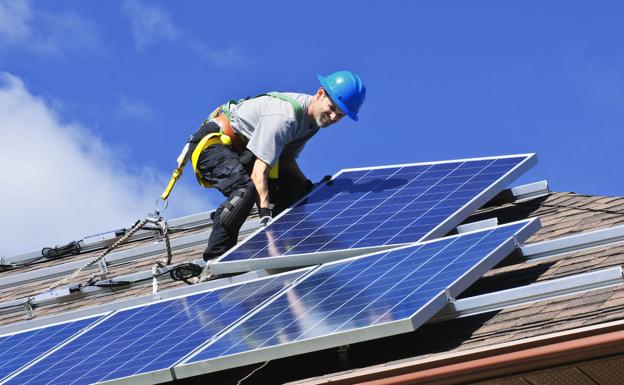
(320, 93)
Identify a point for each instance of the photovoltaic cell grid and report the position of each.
(376, 207)
(369, 291)
(151, 337)
(17, 350)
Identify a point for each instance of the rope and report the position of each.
(161, 262)
(95, 260)
(165, 232)
(155, 277)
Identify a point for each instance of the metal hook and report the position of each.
(157, 209)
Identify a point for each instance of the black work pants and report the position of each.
(230, 172)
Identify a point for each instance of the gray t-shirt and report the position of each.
(269, 125)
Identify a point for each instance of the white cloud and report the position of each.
(232, 56)
(45, 33)
(150, 24)
(129, 108)
(14, 19)
(60, 182)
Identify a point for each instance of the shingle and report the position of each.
(608, 199)
(573, 213)
(613, 302)
(579, 310)
(618, 294)
(497, 326)
(558, 198)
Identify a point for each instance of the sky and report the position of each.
(97, 98)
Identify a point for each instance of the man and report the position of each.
(248, 149)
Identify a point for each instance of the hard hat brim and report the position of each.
(335, 99)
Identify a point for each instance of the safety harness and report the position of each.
(227, 137)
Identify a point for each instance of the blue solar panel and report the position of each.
(151, 337)
(17, 350)
(363, 298)
(375, 207)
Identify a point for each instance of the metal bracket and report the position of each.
(479, 225)
(540, 291)
(29, 308)
(103, 265)
(157, 235)
(448, 295)
(343, 356)
(554, 248)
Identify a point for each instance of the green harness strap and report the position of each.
(274, 172)
(295, 104)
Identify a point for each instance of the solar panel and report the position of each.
(362, 298)
(375, 208)
(17, 350)
(146, 339)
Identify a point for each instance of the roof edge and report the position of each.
(497, 360)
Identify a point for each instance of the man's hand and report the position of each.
(326, 179)
(265, 216)
(313, 186)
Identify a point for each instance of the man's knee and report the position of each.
(237, 207)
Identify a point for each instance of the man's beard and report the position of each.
(322, 120)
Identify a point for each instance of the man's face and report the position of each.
(327, 113)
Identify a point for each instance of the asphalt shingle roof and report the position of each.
(561, 214)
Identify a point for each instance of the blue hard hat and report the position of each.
(346, 90)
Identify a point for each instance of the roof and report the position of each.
(561, 214)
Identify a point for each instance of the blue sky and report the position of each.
(97, 98)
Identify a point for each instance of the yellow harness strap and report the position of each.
(274, 172)
(207, 141)
(177, 173)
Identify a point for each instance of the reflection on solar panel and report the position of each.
(17, 350)
(360, 299)
(152, 337)
(365, 209)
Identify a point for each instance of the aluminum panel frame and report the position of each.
(165, 374)
(150, 378)
(305, 346)
(96, 321)
(188, 369)
(227, 267)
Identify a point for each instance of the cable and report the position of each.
(185, 271)
(5, 267)
(252, 372)
(72, 248)
(111, 284)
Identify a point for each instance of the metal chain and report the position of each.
(95, 260)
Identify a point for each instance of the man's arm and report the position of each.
(260, 176)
